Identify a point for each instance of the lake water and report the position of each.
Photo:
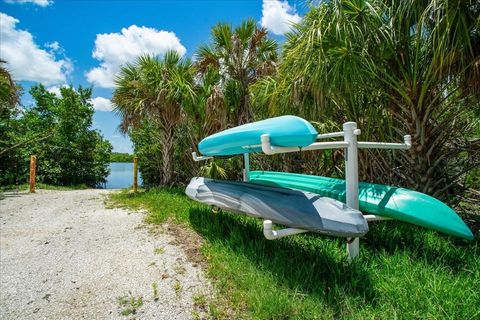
(121, 175)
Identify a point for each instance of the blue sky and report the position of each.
(83, 42)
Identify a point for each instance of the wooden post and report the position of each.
(135, 175)
(33, 166)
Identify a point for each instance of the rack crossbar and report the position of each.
(199, 158)
(351, 146)
(330, 135)
(267, 148)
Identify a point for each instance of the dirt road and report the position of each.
(63, 255)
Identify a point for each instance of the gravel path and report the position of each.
(63, 255)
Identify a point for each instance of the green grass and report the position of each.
(155, 291)
(403, 272)
(159, 251)
(129, 304)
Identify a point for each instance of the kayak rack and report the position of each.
(351, 146)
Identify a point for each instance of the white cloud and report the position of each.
(41, 3)
(278, 16)
(115, 49)
(54, 46)
(56, 90)
(26, 60)
(102, 104)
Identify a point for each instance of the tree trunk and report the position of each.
(167, 142)
(244, 112)
(427, 168)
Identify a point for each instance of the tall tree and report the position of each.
(241, 56)
(433, 85)
(9, 90)
(396, 67)
(9, 140)
(58, 130)
(157, 90)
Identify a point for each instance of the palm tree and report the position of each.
(156, 90)
(433, 85)
(396, 67)
(241, 56)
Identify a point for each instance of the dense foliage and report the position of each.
(396, 68)
(401, 67)
(9, 92)
(155, 90)
(145, 138)
(58, 131)
(180, 102)
(9, 100)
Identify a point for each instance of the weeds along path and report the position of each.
(63, 255)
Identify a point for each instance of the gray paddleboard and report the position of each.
(293, 208)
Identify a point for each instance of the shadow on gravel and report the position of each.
(12, 194)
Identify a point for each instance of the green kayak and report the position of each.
(387, 201)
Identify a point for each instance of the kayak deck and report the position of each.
(285, 131)
(293, 208)
(393, 202)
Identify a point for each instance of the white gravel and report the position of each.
(63, 255)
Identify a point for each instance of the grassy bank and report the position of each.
(403, 272)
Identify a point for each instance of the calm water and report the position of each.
(121, 175)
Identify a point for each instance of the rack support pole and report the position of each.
(246, 167)
(351, 180)
(271, 234)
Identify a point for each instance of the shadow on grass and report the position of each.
(421, 245)
(307, 264)
(289, 276)
(388, 237)
(316, 265)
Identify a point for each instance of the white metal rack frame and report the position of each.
(351, 146)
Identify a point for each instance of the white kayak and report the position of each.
(292, 208)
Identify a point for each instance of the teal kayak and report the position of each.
(387, 201)
(284, 131)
